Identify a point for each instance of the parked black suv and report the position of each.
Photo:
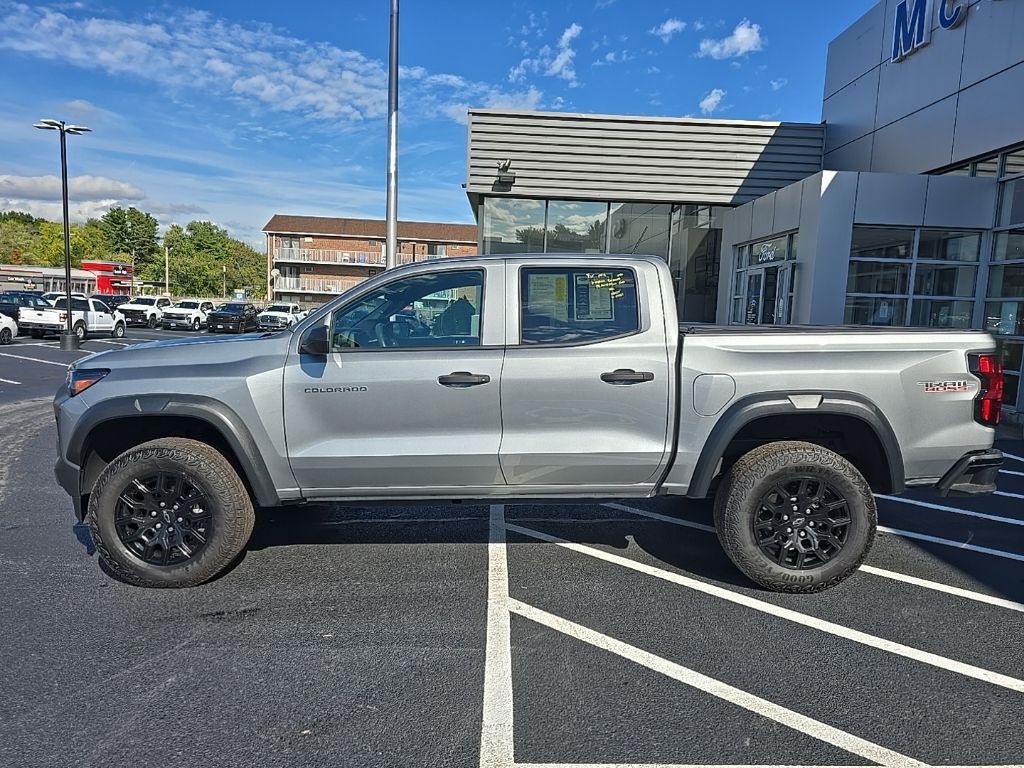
(237, 316)
(111, 301)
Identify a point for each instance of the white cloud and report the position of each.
(698, 25)
(252, 64)
(711, 101)
(745, 38)
(613, 57)
(668, 29)
(777, 84)
(79, 187)
(652, 70)
(603, 4)
(558, 62)
(530, 99)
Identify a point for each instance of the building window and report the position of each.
(641, 228)
(576, 227)
(694, 260)
(902, 277)
(763, 285)
(436, 250)
(513, 226)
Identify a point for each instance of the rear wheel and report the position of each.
(170, 513)
(151, 322)
(80, 330)
(6, 337)
(795, 517)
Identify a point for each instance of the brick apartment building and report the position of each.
(319, 257)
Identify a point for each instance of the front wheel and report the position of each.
(6, 337)
(196, 322)
(118, 331)
(795, 517)
(151, 322)
(169, 513)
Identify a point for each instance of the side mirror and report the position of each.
(315, 342)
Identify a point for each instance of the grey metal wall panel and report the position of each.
(959, 201)
(741, 219)
(823, 291)
(855, 156)
(917, 143)
(990, 114)
(787, 208)
(762, 216)
(931, 74)
(850, 113)
(993, 40)
(601, 157)
(895, 199)
(855, 51)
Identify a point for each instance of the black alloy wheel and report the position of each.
(6, 337)
(802, 523)
(163, 518)
(151, 322)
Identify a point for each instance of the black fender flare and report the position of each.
(753, 407)
(215, 413)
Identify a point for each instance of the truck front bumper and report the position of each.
(973, 475)
(69, 478)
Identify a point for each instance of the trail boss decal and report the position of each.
(332, 390)
(945, 386)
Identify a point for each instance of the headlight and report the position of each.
(80, 379)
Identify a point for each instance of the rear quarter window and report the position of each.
(577, 305)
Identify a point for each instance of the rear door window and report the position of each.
(577, 305)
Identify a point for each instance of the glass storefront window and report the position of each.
(941, 313)
(1011, 389)
(1009, 246)
(878, 277)
(1013, 355)
(940, 280)
(882, 243)
(875, 310)
(576, 227)
(696, 244)
(1011, 207)
(1006, 282)
(1005, 318)
(987, 168)
(949, 246)
(513, 225)
(640, 228)
(1014, 163)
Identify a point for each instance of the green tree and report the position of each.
(18, 239)
(133, 233)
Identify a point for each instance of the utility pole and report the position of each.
(224, 281)
(391, 239)
(167, 270)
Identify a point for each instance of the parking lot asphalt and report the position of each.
(459, 635)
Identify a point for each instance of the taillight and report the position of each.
(63, 316)
(988, 403)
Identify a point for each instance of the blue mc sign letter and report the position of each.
(911, 29)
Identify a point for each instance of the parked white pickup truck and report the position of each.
(145, 310)
(88, 316)
(280, 316)
(187, 314)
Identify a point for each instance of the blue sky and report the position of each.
(233, 111)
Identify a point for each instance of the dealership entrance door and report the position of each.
(767, 295)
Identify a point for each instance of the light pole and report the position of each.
(68, 339)
(391, 233)
(224, 282)
(167, 270)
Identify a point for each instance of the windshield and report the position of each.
(187, 305)
(232, 309)
(278, 308)
(146, 302)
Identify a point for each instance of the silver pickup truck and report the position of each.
(525, 377)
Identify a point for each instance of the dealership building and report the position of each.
(904, 206)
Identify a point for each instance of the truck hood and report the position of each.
(186, 357)
(179, 311)
(146, 307)
(274, 314)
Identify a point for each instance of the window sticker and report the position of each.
(549, 296)
(595, 293)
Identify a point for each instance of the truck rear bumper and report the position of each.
(973, 475)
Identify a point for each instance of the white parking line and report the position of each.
(1010, 495)
(1011, 472)
(496, 732)
(740, 698)
(951, 543)
(847, 633)
(980, 597)
(10, 381)
(1015, 458)
(36, 360)
(956, 510)
(105, 341)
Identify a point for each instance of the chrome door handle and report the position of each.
(463, 379)
(621, 376)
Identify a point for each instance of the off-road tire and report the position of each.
(81, 331)
(6, 337)
(739, 499)
(118, 332)
(233, 516)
